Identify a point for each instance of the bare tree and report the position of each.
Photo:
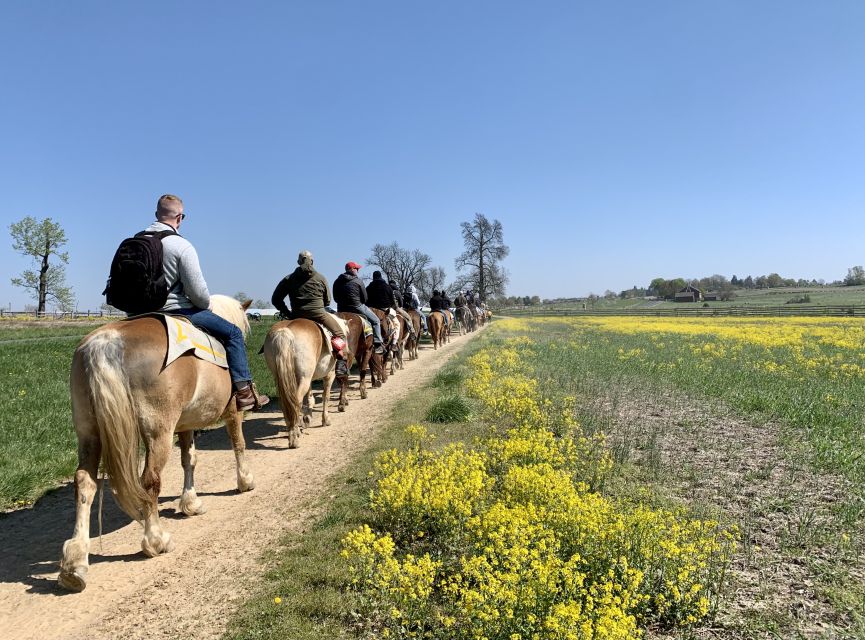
(404, 266)
(431, 279)
(479, 263)
(40, 239)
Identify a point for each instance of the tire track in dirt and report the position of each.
(192, 591)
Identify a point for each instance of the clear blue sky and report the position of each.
(615, 141)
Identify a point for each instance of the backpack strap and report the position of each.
(162, 235)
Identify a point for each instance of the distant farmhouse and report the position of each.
(688, 294)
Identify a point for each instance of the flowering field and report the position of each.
(805, 372)
(511, 538)
(602, 478)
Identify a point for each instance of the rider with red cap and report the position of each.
(350, 295)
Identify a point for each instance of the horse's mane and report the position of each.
(231, 310)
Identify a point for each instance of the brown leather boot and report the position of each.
(248, 398)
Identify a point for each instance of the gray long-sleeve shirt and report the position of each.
(187, 288)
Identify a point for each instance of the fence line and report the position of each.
(684, 312)
(61, 315)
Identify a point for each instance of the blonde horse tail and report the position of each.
(286, 382)
(111, 401)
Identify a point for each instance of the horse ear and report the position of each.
(246, 304)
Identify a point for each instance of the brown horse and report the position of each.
(450, 324)
(435, 323)
(412, 341)
(122, 395)
(296, 354)
(465, 318)
(388, 338)
(360, 349)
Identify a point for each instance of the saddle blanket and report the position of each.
(367, 325)
(183, 337)
(327, 333)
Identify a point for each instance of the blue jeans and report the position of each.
(228, 334)
(374, 321)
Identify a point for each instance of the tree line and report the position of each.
(478, 267)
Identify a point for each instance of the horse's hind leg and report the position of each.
(74, 564)
(327, 382)
(190, 503)
(156, 540)
(234, 425)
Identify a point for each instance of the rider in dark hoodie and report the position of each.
(308, 293)
(350, 296)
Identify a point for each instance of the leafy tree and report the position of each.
(41, 239)
(240, 296)
(748, 282)
(403, 265)
(485, 248)
(855, 276)
(262, 304)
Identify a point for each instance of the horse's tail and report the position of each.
(282, 367)
(114, 411)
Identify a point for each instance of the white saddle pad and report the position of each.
(183, 337)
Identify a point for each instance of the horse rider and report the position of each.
(397, 305)
(412, 301)
(350, 296)
(379, 295)
(460, 304)
(446, 301)
(308, 293)
(436, 303)
(188, 296)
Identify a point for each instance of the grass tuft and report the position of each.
(451, 408)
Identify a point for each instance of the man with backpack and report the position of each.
(188, 296)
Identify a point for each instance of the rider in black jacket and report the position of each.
(378, 292)
(350, 296)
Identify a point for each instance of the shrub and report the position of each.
(452, 408)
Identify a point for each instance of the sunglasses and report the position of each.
(182, 216)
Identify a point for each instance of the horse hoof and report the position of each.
(193, 507)
(157, 545)
(341, 409)
(75, 580)
(245, 484)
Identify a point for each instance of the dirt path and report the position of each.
(192, 591)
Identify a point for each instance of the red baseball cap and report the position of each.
(352, 265)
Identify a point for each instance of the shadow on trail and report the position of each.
(31, 540)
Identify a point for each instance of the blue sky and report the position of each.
(615, 141)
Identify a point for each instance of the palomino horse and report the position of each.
(360, 349)
(121, 395)
(296, 354)
(435, 323)
(411, 342)
(398, 345)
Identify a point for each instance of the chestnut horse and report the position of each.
(447, 313)
(360, 350)
(435, 323)
(296, 354)
(412, 341)
(387, 336)
(122, 395)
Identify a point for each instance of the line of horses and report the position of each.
(122, 396)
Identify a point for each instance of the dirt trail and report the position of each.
(192, 591)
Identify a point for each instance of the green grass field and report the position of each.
(779, 297)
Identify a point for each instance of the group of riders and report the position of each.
(306, 289)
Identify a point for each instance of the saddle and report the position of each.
(184, 337)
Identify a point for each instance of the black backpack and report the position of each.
(137, 282)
